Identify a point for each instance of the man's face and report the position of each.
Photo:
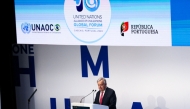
(101, 85)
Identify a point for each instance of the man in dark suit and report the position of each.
(105, 96)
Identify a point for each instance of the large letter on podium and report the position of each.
(87, 106)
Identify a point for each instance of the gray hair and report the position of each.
(101, 78)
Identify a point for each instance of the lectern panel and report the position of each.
(80, 107)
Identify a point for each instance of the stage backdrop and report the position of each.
(158, 77)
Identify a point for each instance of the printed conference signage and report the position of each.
(93, 22)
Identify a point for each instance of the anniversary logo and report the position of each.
(87, 20)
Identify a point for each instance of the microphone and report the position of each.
(93, 95)
(30, 98)
(86, 96)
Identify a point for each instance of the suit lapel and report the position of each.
(98, 94)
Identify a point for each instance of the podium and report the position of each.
(87, 106)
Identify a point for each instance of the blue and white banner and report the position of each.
(157, 77)
(102, 22)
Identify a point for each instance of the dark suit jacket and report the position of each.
(109, 98)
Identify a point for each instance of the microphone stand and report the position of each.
(93, 96)
(30, 98)
(86, 96)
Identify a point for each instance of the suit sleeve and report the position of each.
(113, 100)
(96, 99)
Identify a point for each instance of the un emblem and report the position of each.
(26, 27)
(57, 27)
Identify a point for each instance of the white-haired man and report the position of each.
(105, 95)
